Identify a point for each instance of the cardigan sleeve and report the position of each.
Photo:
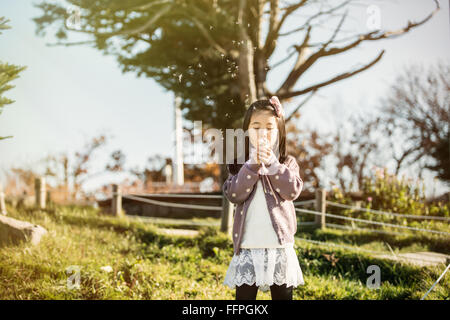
(286, 179)
(238, 187)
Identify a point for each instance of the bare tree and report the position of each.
(360, 151)
(310, 148)
(355, 147)
(416, 112)
(62, 171)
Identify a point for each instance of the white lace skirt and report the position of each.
(265, 267)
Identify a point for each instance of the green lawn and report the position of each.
(147, 264)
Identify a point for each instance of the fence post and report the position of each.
(227, 216)
(2, 201)
(40, 193)
(116, 203)
(321, 196)
(49, 197)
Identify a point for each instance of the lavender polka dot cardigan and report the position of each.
(280, 189)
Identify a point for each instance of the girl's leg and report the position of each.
(281, 292)
(246, 292)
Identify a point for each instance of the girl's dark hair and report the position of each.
(257, 106)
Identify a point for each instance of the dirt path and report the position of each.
(179, 232)
(420, 258)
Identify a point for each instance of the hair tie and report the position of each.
(276, 104)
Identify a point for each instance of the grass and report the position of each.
(147, 264)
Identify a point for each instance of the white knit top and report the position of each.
(258, 228)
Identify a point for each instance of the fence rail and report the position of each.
(174, 195)
(401, 215)
(369, 221)
(319, 202)
(173, 205)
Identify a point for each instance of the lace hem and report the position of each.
(264, 267)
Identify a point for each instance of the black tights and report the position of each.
(246, 292)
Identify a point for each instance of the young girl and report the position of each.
(263, 189)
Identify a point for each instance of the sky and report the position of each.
(68, 95)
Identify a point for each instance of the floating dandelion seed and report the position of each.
(211, 27)
(179, 77)
(199, 65)
(195, 48)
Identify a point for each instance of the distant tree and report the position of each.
(117, 162)
(79, 171)
(309, 147)
(8, 72)
(416, 114)
(353, 149)
(410, 129)
(357, 150)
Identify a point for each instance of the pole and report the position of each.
(227, 216)
(178, 170)
(116, 204)
(320, 205)
(40, 192)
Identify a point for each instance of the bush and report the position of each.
(386, 192)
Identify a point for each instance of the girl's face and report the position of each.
(263, 124)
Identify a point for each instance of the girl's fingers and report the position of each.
(267, 148)
(265, 151)
(264, 157)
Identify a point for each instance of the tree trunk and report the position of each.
(246, 72)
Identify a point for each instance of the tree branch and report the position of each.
(301, 105)
(335, 79)
(139, 29)
(206, 34)
(276, 24)
(320, 13)
(295, 74)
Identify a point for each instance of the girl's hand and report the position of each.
(265, 154)
(253, 156)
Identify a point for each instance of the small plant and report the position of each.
(331, 258)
